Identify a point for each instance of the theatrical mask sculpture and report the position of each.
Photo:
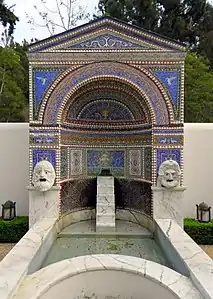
(169, 174)
(43, 176)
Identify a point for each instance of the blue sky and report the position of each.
(25, 30)
(23, 7)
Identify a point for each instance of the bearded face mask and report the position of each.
(43, 176)
(169, 174)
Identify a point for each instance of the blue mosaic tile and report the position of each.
(106, 41)
(39, 154)
(171, 81)
(106, 110)
(158, 106)
(164, 154)
(118, 159)
(40, 140)
(92, 159)
(116, 162)
(42, 80)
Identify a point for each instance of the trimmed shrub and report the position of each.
(201, 233)
(11, 231)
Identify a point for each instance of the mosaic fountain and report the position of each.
(106, 171)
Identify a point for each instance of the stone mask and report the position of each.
(43, 176)
(169, 174)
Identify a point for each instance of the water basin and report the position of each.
(81, 239)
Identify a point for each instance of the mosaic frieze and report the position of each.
(76, 162)
(134, 195)
(43, 140)
(168, 131)
(64, 163)
(164, 154)
(114, 160)
(112, 138)
(141, 57)
(78, 194)
(168, 140)
(135, 162)
(40, 154)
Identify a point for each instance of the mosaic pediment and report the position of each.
(104, 34)
(107, 41)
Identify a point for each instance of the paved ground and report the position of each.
(208, 249)
(5, 248)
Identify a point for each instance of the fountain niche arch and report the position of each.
(119, 107)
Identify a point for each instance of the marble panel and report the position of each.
(105, 207)
(26, 256)
(168, 203)
(43, 204)
(135, 278)
(198, 263)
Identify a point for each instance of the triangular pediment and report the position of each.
(107, 41)
(106, 34)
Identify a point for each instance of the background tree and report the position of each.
(12, 98)
(13, 71)
(7, 17)
(130, 11)
(64, 15)
(198, 89)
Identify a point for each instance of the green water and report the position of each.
(79, 245)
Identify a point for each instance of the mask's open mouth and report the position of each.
(43, 180)
(169, 181)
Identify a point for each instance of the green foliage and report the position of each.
(176, 19)
(188, 21)
(11, 231)
(13, 99)
(198, 90)
(201, 233)
(7, 17)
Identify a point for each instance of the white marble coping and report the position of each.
(53, 188)
(198, 263)
(39, 283)
(176, 189)
(22, 256)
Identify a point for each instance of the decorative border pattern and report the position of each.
(106, 24)
(135, 162)
(157, 100)
(76, 162)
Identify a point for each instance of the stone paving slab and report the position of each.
(5, 248)
(208, 249)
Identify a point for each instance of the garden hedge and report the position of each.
(11, 231)
(201, 233)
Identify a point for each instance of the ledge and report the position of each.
(197, 262)
(25, 256)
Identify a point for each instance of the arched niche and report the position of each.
(107, 100)
(148, 87)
